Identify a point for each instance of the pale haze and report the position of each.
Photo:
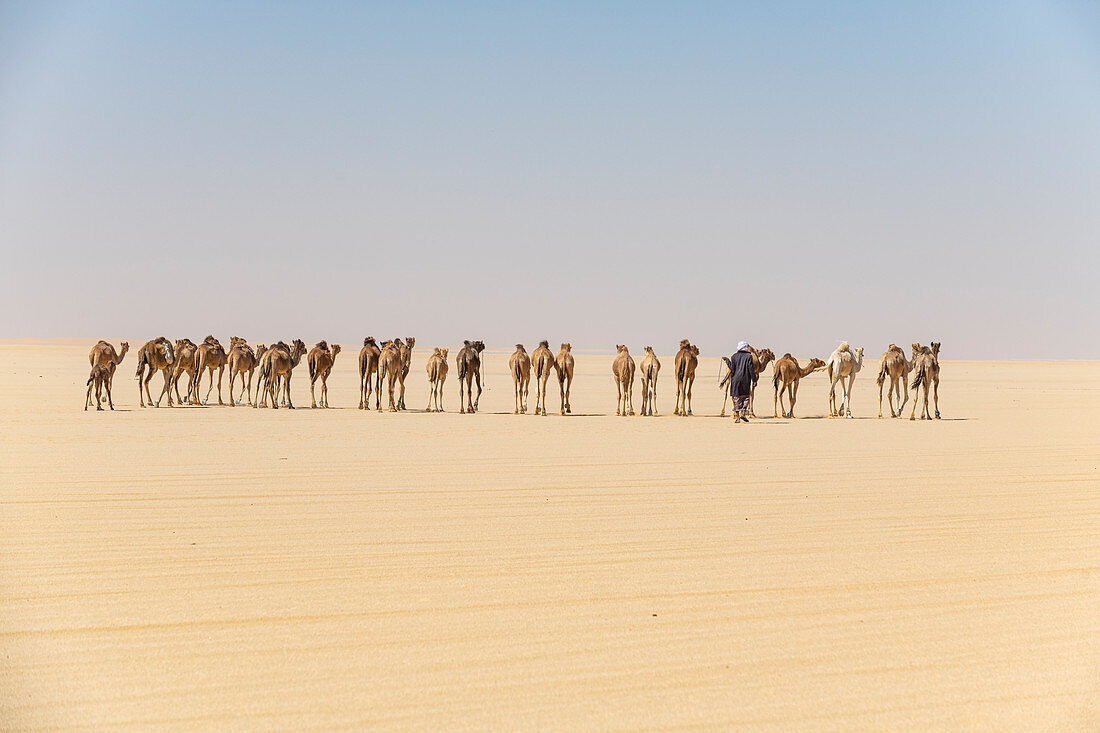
(792, 174)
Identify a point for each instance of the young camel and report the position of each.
(786, 375)
(893, 364)
(542, 360)
(158, 356)
(651, 367)
(520, 366)
(468, 361)
(242, 360)
(687, 359)
(210, 355)
(98, 380)
(623, 370)
(564, 363)
(277, 363)
(185, 362)
(320, 360)
(844, 363)
(437, 375)
(926, 368)
(103, 353)
(368, 366)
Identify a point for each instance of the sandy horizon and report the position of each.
(231, 567)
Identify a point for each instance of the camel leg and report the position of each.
(775, 401)
(312, 396)
(221, 371)
(653, 398)
(916, 397)
(165, 391)
(88, 397)
(111, 404)
(145, 381)
(401, 399)
(848, 394)
(232, 373)
(630, 396)
(935, 395)
(477, 400)
(690, 384)
(891, 397)
(618, 397)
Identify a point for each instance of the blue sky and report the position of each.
(790, 173)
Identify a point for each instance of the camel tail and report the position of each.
(775, 378)
(461, 368)
(881, 374)
(682, 371)
(921, 376)
(141, 364)
(312, 369)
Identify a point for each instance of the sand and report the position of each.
(228, 568)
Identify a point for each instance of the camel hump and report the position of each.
(788, 355)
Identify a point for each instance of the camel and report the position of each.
(437, 375)
(278, 362)
(893, 364)
(563, 362)
(520, 366)
(543, 362)
(406, 362)
(389, 367)
(687, 359)
(368, 365)
(104, 353)
(185, 362)
(159, 356)
(651, 367)
(786, 375)
(926, 368)
(320, 360)
(844, 363)
(99, 379)
(623, 370)
(242, 360)
(468, 361)
(210, 355)
(760, 360)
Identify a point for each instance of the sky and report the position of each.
(789, 173)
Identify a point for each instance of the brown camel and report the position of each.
(406, 362)
(786, 375)
(389, 367)
(651, 367)
(368, 366)
(98, 380)
(542, 361)
(894, 365)
(320, 359)
(564, 363)
(623, 370)
(277, 363)
(158, 355)
(687, 360)
(104, 353)
(210, 355)
(926, 369)
(437, 375)
(242, 360)
(185, 363)
(520, 366)
(468, 361)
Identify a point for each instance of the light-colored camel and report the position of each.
(98, 380)
(210, 355)
(651, 367)
(542, 361)
(389, 368)
(368, 366)
(104, 353)
(277, 363)
(159, 356)
(842, 366)
(894, 365)
(242, 361)
(468, 361)
(185, 364)
(520, 366)
(564, 364)
(623, 371)
(320, 359)
(786, 375)
(437, 375)
(926, 370)
(686, 362)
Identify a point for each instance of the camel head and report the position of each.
(621, 349)
(695, 351)
(410, 341)
(125, 347)
(765, 356)
(815, 364)
(260, 349)
(335, 349)
(443, 353)
(649, 349)
(210, 340)
(299, 347)
(936, 349)
(917, 348)
(567, 347)
(859, 355)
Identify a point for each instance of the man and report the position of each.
(742, 380)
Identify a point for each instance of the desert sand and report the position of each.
(240, 568)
